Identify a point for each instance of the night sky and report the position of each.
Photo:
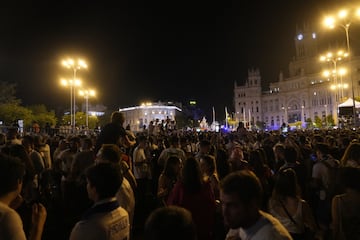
(151, 50)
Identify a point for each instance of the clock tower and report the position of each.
(305, 43)
(304, 62)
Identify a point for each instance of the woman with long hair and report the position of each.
(208, 169)
(168, 178)
(351, 157)
(345, 208)
(286, 205)
(194, 194)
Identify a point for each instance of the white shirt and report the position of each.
(266, 228)
(139, 169)
(113, 225)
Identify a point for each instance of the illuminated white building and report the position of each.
(305, 94)
(139, 116)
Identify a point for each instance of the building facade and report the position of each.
(307, 93)
(139, 117)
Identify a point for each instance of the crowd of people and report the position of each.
(164, 183)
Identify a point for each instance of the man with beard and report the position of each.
(240, 195)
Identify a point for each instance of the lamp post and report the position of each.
(302, 116)
(71, 84)
(344, 19)
(74, 66)
(334, 58)
(86, 94)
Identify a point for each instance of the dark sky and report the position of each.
(151, 50)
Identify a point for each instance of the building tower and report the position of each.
(248, 99)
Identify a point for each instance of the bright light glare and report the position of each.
(82, 63)
(329, 22)
(342, 71)
(357, 13)
(70, 63)
(77, 82)
(343, 14)
(326, 73)
(345, 85)
(333, 87)
(64, 82)
(340, 53)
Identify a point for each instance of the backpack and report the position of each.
(334, 186)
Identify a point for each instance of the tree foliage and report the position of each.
(7, 93)
(318, 122)
(10, 112)
(80, 120)
(42, 116)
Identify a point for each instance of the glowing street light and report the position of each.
(343, 19)
(74, 65)
(71, 84)
(334, 58)
(86, 94)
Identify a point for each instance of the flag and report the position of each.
(213, 109)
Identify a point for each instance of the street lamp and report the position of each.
(71, 84)
(344, 19)
(334, 58)
(86, 94)
(74, 66)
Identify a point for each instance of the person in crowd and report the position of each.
(75, 199)
(12, 135)
(142, 166)
(66, 157)
(192, 193)
(143, 175)
(29, 186)
(241, 197)
(287, 206)
(345, 208)
(185, 146)
(62, 145)
(113, 131)
(204, 149)
(236, 159)
(257, 163)
(105, 220)
(173, 150)
(35, 156)
(208, 169)
(2, 140)
(82, 159)
(279, 152)
(321, 184)
(168, 178)
(351, 157)
(222, 163)
(11, 228)
(170, 222)
(41, 145)
(292, 161)
(125, 195)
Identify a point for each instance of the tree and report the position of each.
(7, 93)
(42, 116)
(80, 120)
(318, 122)
(10, 112)
(309, 123)
(330, 120)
